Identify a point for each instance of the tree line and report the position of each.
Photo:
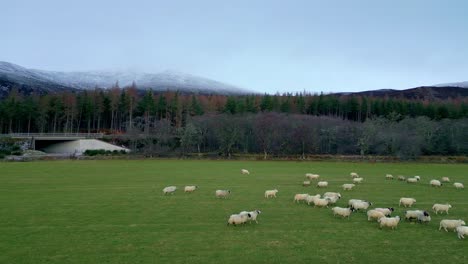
(118, 111)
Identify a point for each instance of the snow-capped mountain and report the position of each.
(456, 84)
(12, 74)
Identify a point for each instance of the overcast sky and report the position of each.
(266, 46)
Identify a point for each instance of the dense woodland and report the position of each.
(286, 124)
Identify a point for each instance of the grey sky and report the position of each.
(267, 46)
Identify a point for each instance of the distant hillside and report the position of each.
(41, 82)
(418, 93)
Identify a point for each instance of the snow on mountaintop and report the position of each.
(457, 84)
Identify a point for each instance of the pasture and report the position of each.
(115, 212)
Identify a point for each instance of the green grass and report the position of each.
(114, 212)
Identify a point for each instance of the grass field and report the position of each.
(114, 212)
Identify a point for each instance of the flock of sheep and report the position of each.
(381, 215)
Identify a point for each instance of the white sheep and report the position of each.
(312, 176)
(310, 198)
(351, 201)
(222, 193)
(435, 183)
(389, 177)
(348, 186)
(190, 189)
(244, 171)
(401, 178)
(386, 211)
(407, 201)
(322, 184)
(271, 193)
(343, 212)
(332, 199)
(306, 183)
(169, 189)
(420, 215)
(237, 219)
(358, 180)
(361, 205)
(389, 221)
(332, 194)
(441, 207)
(412, 180)
(300, 197)
(462, 231)
(252, 215)
(445, 179)
(374, 214)
(321, 202)
(354, 175)
(450, 224)
(417, 178)
(458, 185)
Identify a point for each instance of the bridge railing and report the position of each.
(42, 135)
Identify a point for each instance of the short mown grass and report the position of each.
(115, 212)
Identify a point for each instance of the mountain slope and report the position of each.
(418, 93)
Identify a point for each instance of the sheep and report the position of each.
(462, 231)
(389, 222)
(190, 189)
(237, 219)
(407, 201)
(321, 202)
(358, 180)
(312, 176)
(300, 197)
(412, 180)
(222, 193)
(348, 186)
(417, 178)
(424, 218)
(389, 177)
(416, 214)
(351, 201)
(322, 184)
(361, 205)
(445, 179)
(441, 207)
(244, 171)
(332, 199)
(343, 212)
(401, 178)
(310, 198)
(386, 211)
(458, 185)
(332, 194)
(374, 214)
(271, 193)
(252, 215)
(306, 183)
(169, 189)
(354, 175)
(450, 224)
(435, 183)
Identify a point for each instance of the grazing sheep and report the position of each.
(445, 179)
(237, 219)
(424, 218)
(386, 211)
(348, 186)
(351, 201)
(332, 199)
(306, 183)
(190, 189)
(441, 207)
(462, 231)
(271, 193)
(300, 197)
(407, 201)
(361, 205)
(389, 222)
(354, 175)
(252, 215)
(222, 193)
(412, 180)
(321, 202)
(332, 194)
(401, 178)
(322, 184)
(389, 177)
(169, 189)
(374, 214)
(450, 224)
(310, 198)
(343, 212)
(416, 214)
(312, 176)
(358, 180)
(435, 183)
(417, 178)
(459, 185)
(244, 171)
